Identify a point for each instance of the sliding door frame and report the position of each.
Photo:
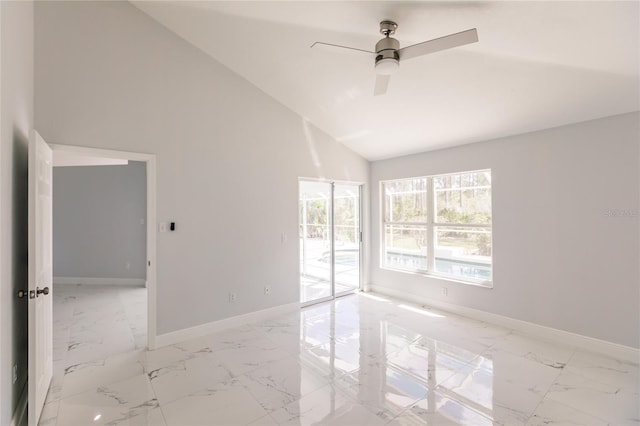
(332, 276)
(360, 257)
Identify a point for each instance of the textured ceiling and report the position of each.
(537, 65)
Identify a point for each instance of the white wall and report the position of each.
(228, 155)
(16, 122)
(559, 260)
(99, 221)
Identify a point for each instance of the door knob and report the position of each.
(44, 291)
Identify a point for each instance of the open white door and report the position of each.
(40, 275)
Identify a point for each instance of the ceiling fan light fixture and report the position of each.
(387, 66)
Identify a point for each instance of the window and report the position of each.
(439, 225)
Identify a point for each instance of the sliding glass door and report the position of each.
(330, 240)
(315, 241)
(346, 238)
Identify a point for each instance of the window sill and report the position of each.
(448, 278)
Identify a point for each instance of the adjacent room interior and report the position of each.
(99, 257)
(361, 213)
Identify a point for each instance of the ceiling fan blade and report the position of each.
(438, 44)
(337, 46)
(382, 82)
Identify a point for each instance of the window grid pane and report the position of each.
(406, 247)
(463, 198)
(463, 252)
(406, 200)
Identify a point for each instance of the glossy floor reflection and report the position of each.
(360, 360)
(313, 289)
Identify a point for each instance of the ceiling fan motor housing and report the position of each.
(387, 48)
(387, 59)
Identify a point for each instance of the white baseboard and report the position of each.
(99, 281)
(19, 417)
(212, 327)
(604, 347)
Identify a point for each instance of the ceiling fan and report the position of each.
(388, 53)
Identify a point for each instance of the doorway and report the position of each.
(330, 239)
(70, 155)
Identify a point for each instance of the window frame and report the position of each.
(431, 226)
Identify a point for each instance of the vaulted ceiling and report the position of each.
(537, 65)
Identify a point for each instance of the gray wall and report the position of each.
(16, 121)
(559, 260)
(228, 155)
(97, 228)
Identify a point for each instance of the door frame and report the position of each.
(150, 160)
(334, 295)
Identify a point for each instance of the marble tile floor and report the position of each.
(359, 360)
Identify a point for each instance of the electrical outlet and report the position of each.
(267, 289)
(445, 291)
(232, 297)
(15, 372)
(127, 266)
